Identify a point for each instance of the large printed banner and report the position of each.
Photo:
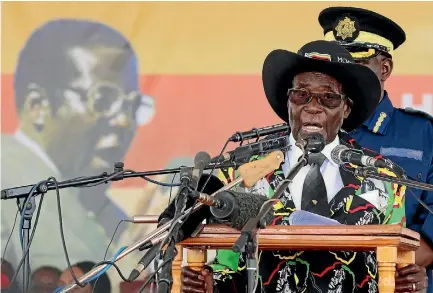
(85, 85)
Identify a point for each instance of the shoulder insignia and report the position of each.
(417, 113)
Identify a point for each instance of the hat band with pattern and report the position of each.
(366, 37)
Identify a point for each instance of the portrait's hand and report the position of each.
(412, 278)
(197, 282)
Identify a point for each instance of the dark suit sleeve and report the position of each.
(194, 220)
(427, 198)
(197, 217)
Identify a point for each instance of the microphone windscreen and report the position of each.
(336, 154)
(249, 205)
(300, 217)
(202, 158)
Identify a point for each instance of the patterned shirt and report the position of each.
(316, 271)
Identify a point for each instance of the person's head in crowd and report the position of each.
(45, 279)
(100, 285)
(7, 272)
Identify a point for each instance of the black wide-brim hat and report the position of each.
(360, 83)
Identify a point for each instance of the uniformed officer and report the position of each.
(403, 135)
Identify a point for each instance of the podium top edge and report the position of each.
(349, 230)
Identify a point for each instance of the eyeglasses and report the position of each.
(304, 96)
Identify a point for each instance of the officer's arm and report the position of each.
(424, 255)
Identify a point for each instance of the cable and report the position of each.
(110, 263)
(174, 223)
(106, 251)
(256, 283)
(105, 269)
(171, 187)
(207, 180)
(420, 201)
(30, 241)
(216, 163)
(160, 183)
(10, 234)
(59, 209)
(154, 273)
(196, 201)
(117, 227)
(105, 180)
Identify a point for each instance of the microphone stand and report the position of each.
(156, 235)
(23, 191)
(246, 241)
(25, 196)
(27, 208)
(369, 173)
(165, 280)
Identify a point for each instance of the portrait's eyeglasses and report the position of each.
(304, 96)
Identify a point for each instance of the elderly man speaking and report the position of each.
(318, 90)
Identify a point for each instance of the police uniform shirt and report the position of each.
(405, 136)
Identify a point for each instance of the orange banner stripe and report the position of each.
(195, 113)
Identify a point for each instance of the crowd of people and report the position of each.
(46, 279)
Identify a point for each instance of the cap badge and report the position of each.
(346, 29)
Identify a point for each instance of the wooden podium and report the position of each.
(393, 244)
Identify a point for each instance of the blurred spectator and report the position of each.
(100, 285)
(45, 279)
(7, 272)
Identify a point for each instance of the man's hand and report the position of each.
(197, 282)
(424, 254)
(412, 278)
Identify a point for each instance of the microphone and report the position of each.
(201, 160)
(258, 132)
(314, 143)
(242, 154)
(342, 155)
(144, 262)
(196, 218)
(236, 208)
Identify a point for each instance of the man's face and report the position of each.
(313, 117)
(95, 117)
(44, 281)
(66, 279)
(381, 65)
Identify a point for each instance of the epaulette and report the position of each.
(416, 112)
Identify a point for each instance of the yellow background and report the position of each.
(216, 37)
(220, 39)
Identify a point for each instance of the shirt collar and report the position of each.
(379, 121)
(295, 152)
(35, 148)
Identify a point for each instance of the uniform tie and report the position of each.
(314, 195)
